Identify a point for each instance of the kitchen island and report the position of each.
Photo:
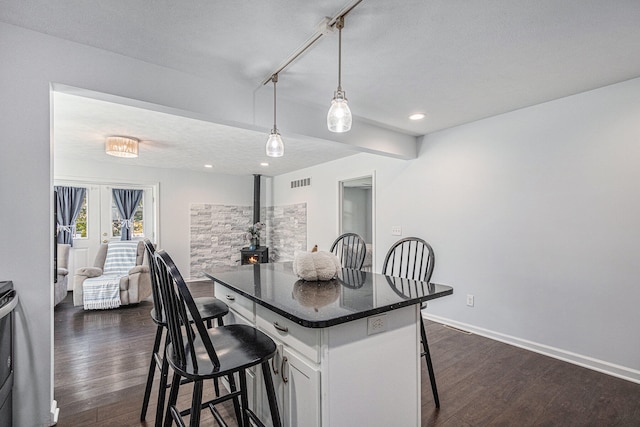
(348, 349)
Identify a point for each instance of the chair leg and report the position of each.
(427, 356)
(243, 396)
(216, 385)
(152, 372)
(271, 395)
(196, 402)
(236, 402)
(173, 398)
(162, 387)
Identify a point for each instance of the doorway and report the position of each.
(99, 221)
(357, 212)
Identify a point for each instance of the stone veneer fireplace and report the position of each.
(217, 234)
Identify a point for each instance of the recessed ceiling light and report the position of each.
(264, 164)
(417, 116)
(208, 166)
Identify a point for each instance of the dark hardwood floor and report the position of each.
(102, 359)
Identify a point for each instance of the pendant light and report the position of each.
(275, 146)
(339, 115)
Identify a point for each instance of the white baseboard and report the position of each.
(612, 369)
(55, 412)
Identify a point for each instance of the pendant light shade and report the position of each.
(275, 146)
(339, 115)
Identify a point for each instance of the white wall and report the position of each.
(534, 212)
(31, 62)
(177, 191)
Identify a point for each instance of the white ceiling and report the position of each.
(172, 141)
(455, 60)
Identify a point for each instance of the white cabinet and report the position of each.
(301, 398)
(297, 384)
(340, 375)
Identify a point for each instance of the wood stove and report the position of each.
(260, 254)
(256, 256)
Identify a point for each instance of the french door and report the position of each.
(99, 221)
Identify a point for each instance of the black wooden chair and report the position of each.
(201, 354)
(350, 249)
(209, 308)
(413, 259)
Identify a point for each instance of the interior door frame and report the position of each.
(340, 194)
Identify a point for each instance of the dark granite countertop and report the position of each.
(353, 295)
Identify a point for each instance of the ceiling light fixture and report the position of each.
(121, 146)
(417, 116)
(339, 115)
(275, 146)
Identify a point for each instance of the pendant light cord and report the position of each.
(340, 26)
(274, 79)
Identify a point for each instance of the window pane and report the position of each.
(116, 225)
(81, 220)
(138, 229)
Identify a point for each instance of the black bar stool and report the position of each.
(412, 258)
(209, 308)
(201, 354)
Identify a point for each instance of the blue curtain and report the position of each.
(127, 202)
(69, 202)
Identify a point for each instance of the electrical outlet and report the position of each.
(396, 230)
(376, 324)
(469, 300)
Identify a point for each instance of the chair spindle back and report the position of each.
(350, 249)
(411, 260)
(181, 311)
(155, 285)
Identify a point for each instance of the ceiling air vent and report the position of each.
(304, 182)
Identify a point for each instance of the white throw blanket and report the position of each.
(101, 292)
(104, 291)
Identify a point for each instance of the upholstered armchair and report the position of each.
(134, 287)
(62, 272)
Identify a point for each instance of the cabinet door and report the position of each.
(301, 391)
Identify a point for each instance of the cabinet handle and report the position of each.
(284, 379)
(231, 298)
(280, 328)
(273, 366)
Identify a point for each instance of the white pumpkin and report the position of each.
(313, 266)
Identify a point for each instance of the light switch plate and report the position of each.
(396, 230)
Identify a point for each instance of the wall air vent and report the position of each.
(304, 182)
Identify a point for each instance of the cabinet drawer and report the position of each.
(236, 302)
(305, 341)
